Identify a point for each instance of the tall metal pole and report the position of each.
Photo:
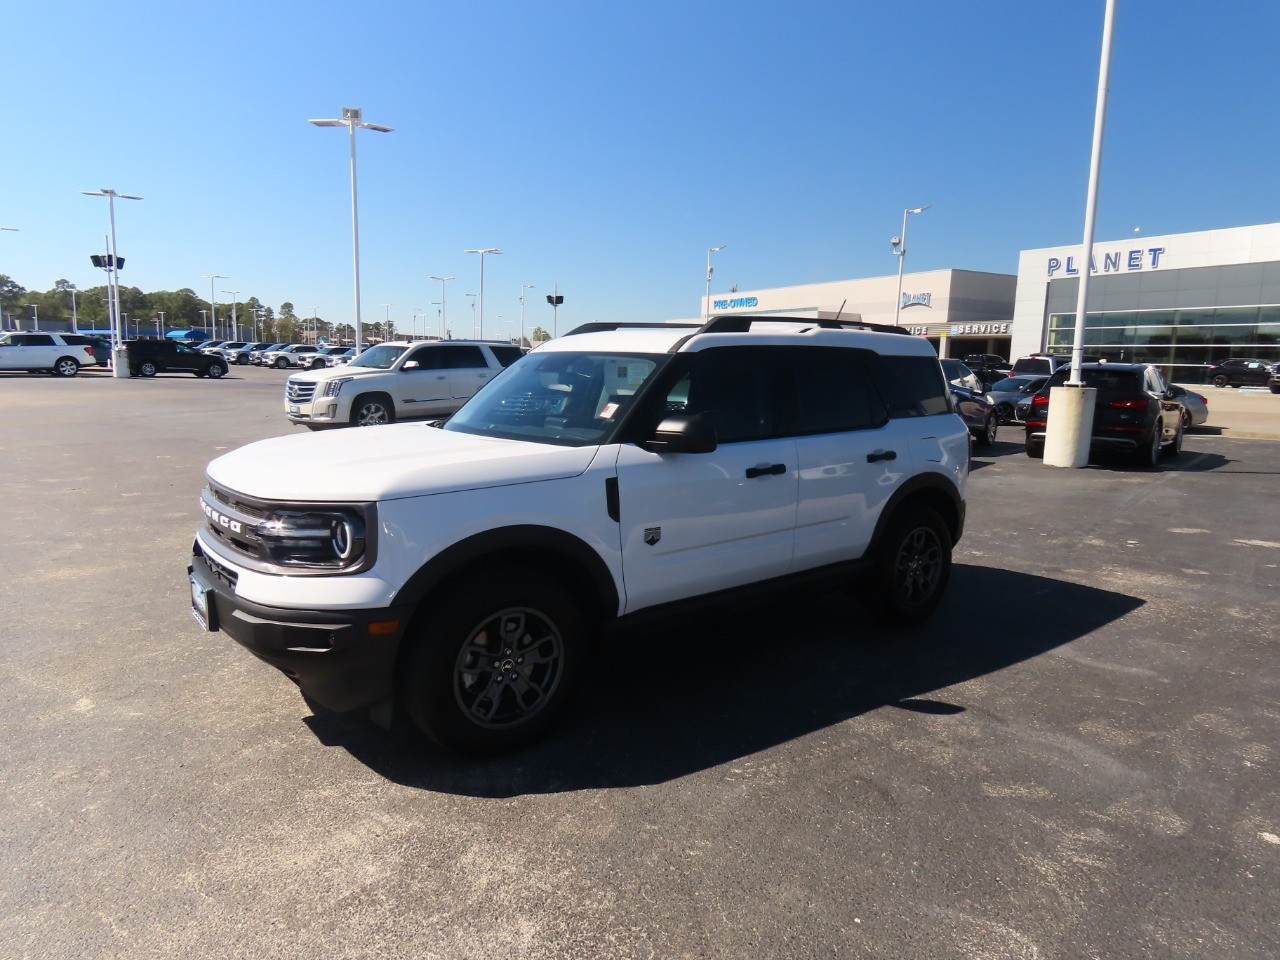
(355, 236)
(1091, 203)
(901, 250)
(235, 327)
(523, 288)
(75, 325)
(706, 311)
(1069, 430)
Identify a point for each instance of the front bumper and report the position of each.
(342, 659)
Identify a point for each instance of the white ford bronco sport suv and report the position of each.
(454, 574)
(399, 380)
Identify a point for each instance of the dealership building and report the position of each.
(1182, 301)
(959, 311)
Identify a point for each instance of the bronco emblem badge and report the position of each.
(652, 535)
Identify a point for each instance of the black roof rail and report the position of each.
(741, 323)
(606, 326)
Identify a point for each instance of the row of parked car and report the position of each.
(304, 356)
(1137, 412)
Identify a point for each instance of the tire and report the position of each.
(1220, 381)
(1274, 389)
(1150, 457)
(912, 566)
(988, 435)
(1175, 448)
(372, 410)
(1035, 449)
(217, 371)
(66, 367)
(491, 667)
(1186, 420)
(146, 369)
(316, 365)
(242, 360)
(1004, 412)
(281, 363)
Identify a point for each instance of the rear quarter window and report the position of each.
(910, 386)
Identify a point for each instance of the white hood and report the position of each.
(387, 462)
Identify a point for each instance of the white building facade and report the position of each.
(959, 311)
(1182, 301)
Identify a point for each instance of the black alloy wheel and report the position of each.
(493, 666)
(1220, 381)
(1004, 412)
(912, 566)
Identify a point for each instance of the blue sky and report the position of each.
(606, 146)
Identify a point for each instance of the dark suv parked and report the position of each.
(1136, 412)
(149, 357)
(1240, 372)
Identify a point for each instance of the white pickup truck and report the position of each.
(400, 380)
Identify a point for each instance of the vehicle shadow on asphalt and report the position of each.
(656, 707)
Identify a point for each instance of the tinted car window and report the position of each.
(834, 392)
(736, 388)
(507, 355)
(462, 358)
(910, 386)
(429, 358)
(1110, 381)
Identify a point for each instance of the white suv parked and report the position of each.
(49, 352)
(400, 380)
(292, 355)
(456, 574)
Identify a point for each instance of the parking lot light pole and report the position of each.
(473, 312)
(523, 288)
(119, 362)
(75, 324)
(35, 312)
(482, 253)
(899, 245)
(235, 327)
(706, 312)
(1069, 430)
(351, 119)
(444, 312)
(213, 307)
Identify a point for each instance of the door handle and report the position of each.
(771, 470)
(882, 455)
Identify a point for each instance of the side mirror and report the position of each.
(411, 365)
(683, 433)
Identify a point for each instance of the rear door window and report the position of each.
(834, 392)
(910, 386)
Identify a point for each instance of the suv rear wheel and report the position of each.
(493, 667)
(147, 369)
(912, 565)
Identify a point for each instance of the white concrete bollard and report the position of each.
(1066, 438)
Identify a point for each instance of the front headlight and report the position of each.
(333, 386)
(325, 539)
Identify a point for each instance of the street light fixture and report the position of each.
(482, 253)
(523, 288)
(351, 119)
(444, 312)
(119, 363)
(899, 245)
(213, 307)
(706, 313)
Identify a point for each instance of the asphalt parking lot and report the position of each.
(1075, 758)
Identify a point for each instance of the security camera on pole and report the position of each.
(555, 299)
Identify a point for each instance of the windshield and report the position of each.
(380, 357)
(570, 399)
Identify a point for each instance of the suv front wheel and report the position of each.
(493, 666)
(912, 565)
(372, 410)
